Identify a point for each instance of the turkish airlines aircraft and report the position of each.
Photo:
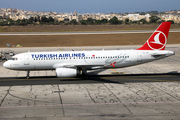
(71, 63)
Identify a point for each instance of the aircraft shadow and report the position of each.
(94, 79)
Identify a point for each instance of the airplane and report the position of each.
(76, 63)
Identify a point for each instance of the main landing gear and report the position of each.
(27, 77)
(85, 75)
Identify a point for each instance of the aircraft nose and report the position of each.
(5, 65)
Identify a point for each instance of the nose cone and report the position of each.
(6, 65)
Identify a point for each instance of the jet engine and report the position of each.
(66, 72)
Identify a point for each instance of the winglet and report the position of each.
(158, 39)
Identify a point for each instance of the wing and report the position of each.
(68, 65)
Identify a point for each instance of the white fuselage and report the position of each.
(83, 59)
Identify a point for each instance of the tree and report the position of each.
(39, 19)
(50, 19)
(35, 19)
(114, 21)
(98, 22)
(126, 20)
(134, 22)
(103, 21)
(44, 19)
(73, 22)
(142, 21)
(154, 18)
(31, 19)
(22, 23)
(159, 22)
(83, 22)
(172, 22)
(90, 21)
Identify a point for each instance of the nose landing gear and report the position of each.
(27, 77)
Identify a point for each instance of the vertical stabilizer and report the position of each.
(158, 39)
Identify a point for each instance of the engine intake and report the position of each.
(66, 72)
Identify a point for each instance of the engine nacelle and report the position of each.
(66, 72)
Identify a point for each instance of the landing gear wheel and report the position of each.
(27, 77)
(86, 77)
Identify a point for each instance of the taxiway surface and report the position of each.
(82, 33)
(147, 91)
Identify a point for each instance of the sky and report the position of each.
(92, 6)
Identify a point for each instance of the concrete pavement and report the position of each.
(147, 91)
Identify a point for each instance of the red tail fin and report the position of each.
(158, 39)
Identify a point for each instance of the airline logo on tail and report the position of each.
(158, 39)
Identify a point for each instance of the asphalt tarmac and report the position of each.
(94, 79)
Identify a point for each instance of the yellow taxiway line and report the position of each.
(114, 71)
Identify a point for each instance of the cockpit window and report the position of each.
(13, 58)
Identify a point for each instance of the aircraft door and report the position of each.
(26, 59)
(139, 57)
